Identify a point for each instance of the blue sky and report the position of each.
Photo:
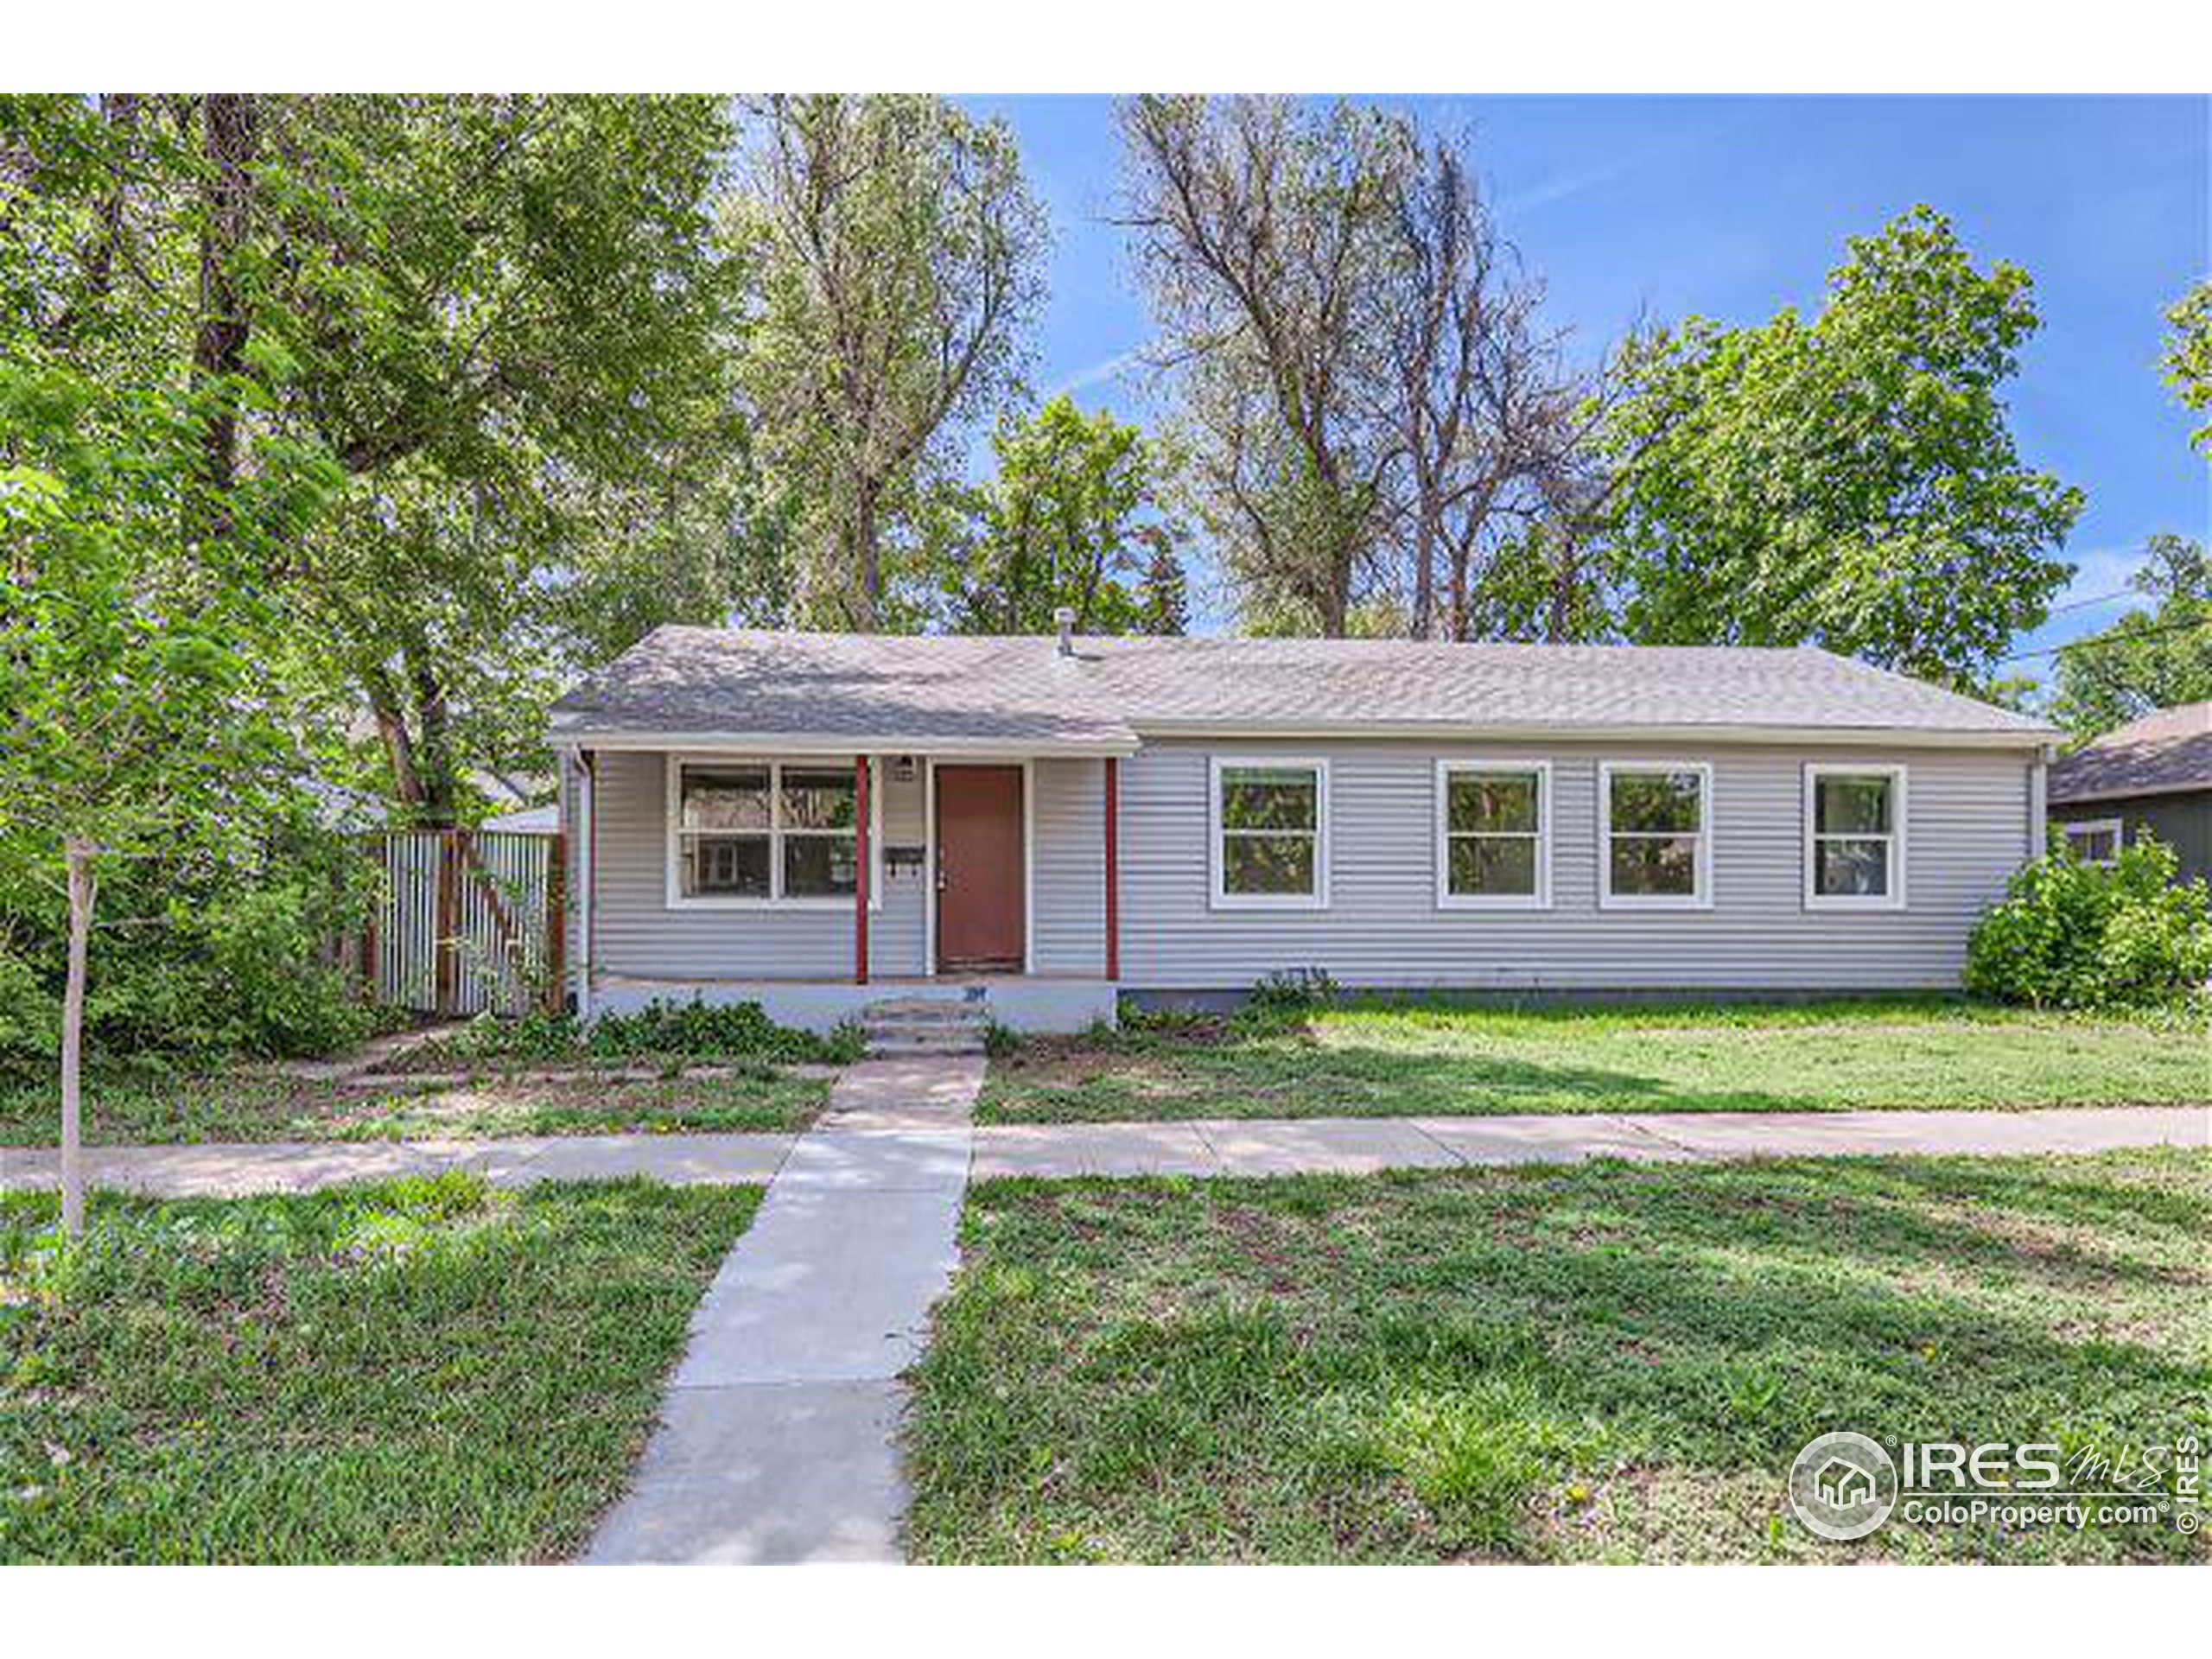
(1734, 208)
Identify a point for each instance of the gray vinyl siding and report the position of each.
(1967, 831)
(1069, 855)
(2183, 822)
(638, 935)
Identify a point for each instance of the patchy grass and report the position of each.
(1401, 1059)
(1608, 1363)
(148, 1106)
(422, 1371)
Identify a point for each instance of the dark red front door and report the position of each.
(979, 898)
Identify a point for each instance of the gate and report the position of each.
(466, 921)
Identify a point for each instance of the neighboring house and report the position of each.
(800, 819)
(2151, 776)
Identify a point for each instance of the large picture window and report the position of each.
(759, 832)
(1654, 839)
(1270, 833)
(1493, 835)
(1854, 837)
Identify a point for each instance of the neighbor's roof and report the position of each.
(1020, 693)
(2164, 754)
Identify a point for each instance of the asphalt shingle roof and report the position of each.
(1020, 689)
(2159, 755)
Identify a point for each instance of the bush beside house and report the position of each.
(2074, 934)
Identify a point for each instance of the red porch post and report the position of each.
(1113, 868)
(861, 857)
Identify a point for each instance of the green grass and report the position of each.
(1403, 1059)
(1608, 1363)
(424, 1371)
(150, 1107)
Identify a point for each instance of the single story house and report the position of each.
(2152, 776)
(815, 821)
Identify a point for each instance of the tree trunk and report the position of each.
(434, 759)
(1457, 623)
(1424, 619)
(228, 121)
(867, 559)
(82, 892)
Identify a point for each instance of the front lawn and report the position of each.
(1406, 1060)
(1603, 1363)
(148, 1106)
(423, 1370)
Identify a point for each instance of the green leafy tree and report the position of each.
(895, 253)
(512, 315)
(1852, 481)
(510, 320)
(136, 710)
(2147, 660)
(1072, 516)
(1164, 590)
(2188, 360)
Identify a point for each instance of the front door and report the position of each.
(979, 874)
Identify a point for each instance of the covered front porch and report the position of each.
(823, 885)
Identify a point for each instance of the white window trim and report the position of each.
(1448, 900)
(1899, 822)
(1218, 900)
(2114, 827)
(671, 833)
(1703, 897)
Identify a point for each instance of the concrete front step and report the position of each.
(925, 1026)
(934, 1011)
(887, 1044)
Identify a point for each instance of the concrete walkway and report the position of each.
(1211, 1146)
(1360, 1145)
(779, 1439)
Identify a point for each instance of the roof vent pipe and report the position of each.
(1063, 618)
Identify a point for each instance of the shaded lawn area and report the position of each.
(1408, 1060)
(422, 1370)
(1611, 1362)
(151, 1107)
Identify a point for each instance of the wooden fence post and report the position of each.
(448, 941)
(556, 923)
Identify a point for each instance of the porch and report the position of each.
(818, 884)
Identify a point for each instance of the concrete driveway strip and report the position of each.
(779, 1439)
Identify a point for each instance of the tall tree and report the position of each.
(1487, 417)
(1164, 590)
(1258, 224)
(500, 307)
(1072, 516)
(137, 714)
(2147, 660)
(897, 256)
(1853, 481)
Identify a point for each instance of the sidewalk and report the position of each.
(779, 1439)
(1212, 1146)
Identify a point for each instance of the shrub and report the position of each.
(2073, 935)
(694, 1031)
(1292, 990)
(193, 958)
